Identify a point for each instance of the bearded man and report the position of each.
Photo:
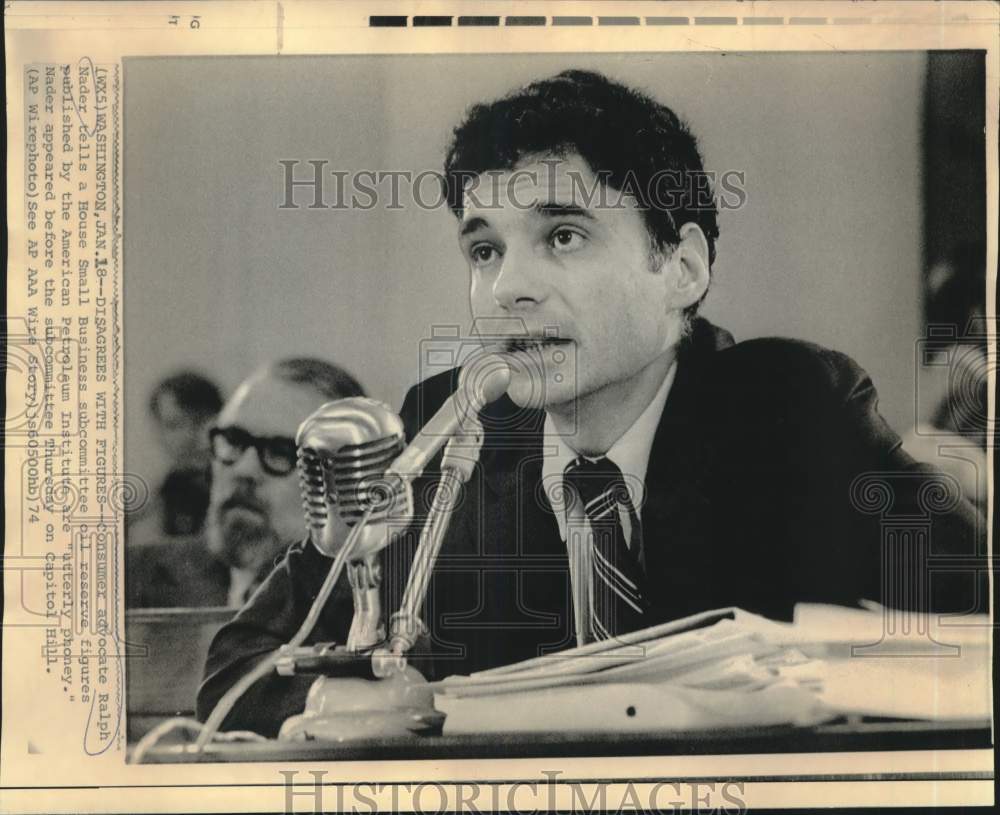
(255, 507)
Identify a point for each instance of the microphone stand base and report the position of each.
(343, 709)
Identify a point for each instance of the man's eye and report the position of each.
(483, 254)
(566, 240)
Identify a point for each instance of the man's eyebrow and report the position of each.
(549, 210)
(563, 211)
(472, 225)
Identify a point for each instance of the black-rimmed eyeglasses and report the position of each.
(277, 454)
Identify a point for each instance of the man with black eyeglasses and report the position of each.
(255, 506)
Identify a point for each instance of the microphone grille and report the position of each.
(344, 449)
(313, 488)
(357, 475)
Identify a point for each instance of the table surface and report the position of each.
(865, 735)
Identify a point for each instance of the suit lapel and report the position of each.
(524, 530)
(677, 513)
(512, 473)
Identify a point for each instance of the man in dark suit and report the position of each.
(642, 465)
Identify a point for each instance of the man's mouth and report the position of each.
(242, 506)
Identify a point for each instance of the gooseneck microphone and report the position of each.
(483, 379)
(457, 423)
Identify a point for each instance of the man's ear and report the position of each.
(688, 267)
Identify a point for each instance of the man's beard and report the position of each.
(239, 539)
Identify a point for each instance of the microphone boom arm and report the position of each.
(460, 457)
(481, 381)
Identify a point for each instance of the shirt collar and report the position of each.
(630, 453)
(240, 583)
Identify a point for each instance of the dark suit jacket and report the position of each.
(174, 572)
(772, 480)
(180, 572)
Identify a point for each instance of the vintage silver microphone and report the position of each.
(345, 448)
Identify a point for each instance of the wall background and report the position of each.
(828, 246)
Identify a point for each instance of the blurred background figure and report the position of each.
(957, 303)
(182, 406)
(254, 508)
(950, 426)
(951, 429)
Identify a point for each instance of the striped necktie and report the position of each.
(618, 604)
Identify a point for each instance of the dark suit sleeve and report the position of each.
(913, 526)
(269, 620)
(423, 400)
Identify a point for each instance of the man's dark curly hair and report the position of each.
(631, 141)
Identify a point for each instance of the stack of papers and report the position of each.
(885, 663)
(731, 669)
(707, 671)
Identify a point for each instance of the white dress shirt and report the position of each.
(631, 454)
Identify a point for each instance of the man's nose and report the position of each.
(248, 465)
(519, 284)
